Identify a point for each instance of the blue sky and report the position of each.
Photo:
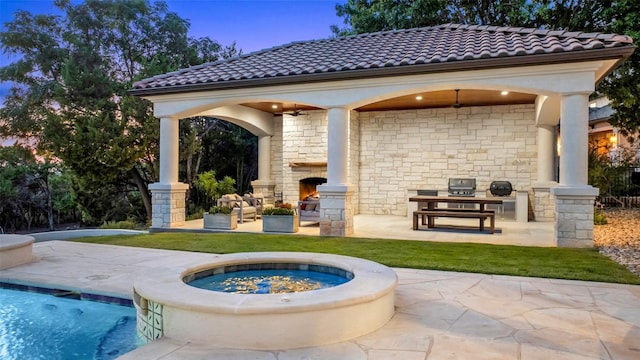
(253, 24)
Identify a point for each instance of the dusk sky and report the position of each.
(253, 24)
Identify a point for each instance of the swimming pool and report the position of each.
(42, 326)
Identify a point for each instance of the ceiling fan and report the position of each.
(457, 104)
(295, 112)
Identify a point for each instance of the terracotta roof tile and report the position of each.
(391, 49)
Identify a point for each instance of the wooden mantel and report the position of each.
(295, 164)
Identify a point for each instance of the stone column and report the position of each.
(168, 195)
(573, 197)
(264, 185)
(336, 209)
(336, 196)
(543, 202)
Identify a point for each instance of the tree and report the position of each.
(366, 16)
(213, 188)
(25, 188)
(70, 86)
(622, 87)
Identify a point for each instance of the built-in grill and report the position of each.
(462, 187)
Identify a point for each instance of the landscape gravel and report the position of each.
(619, 239)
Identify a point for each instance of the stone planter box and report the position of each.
(221, 221)
(280, 223)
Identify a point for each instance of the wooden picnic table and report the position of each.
(432, 210)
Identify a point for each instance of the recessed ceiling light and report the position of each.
(419, 97)
(274, 106)
(504, 93)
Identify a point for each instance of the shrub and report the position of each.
(195, 215)
(277, 211)
(599, 217)
(125, 224)
(220, 210)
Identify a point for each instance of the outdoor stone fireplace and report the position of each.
(308, 186)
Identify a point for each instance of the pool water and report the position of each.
(41, 326)
(268, 281)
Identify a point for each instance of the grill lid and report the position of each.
(500, 188)
(462, 186)
(457, 184)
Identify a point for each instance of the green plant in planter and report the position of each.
(225, 210)
(278, 211)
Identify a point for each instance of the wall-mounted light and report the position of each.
(419, 97)
(504, 93)
(274, 106)
(613, 139)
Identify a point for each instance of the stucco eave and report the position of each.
(620, 54)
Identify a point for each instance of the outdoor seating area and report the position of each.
(309, 209)
(246, 207)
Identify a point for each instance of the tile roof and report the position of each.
(604, 112)
(380, 53)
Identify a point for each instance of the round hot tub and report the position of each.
(265, 320)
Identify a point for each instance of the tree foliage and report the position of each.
(607, 16)
(70, 83)
(26, 190)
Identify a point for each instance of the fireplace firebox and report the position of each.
(308, 186)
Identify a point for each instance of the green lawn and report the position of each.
(559, 263)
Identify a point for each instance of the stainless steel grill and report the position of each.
(462, 187)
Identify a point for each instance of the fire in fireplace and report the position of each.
(308, 186)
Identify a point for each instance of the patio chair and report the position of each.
(240, 206)
(255, 200)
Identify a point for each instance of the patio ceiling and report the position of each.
(422, 100)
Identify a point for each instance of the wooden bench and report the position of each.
(431, 214)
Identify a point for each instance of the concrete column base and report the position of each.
(336, 209)
(168, 204)
(266, 189)
(574, 216)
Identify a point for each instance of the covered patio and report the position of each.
(508, 232)
(380, 114)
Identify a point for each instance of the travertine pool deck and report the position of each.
(439, 315)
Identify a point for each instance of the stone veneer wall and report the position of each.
(168, 206)
(409, 149)
(574, 226)
(304, 139)
(276, 153)
(544, 205)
